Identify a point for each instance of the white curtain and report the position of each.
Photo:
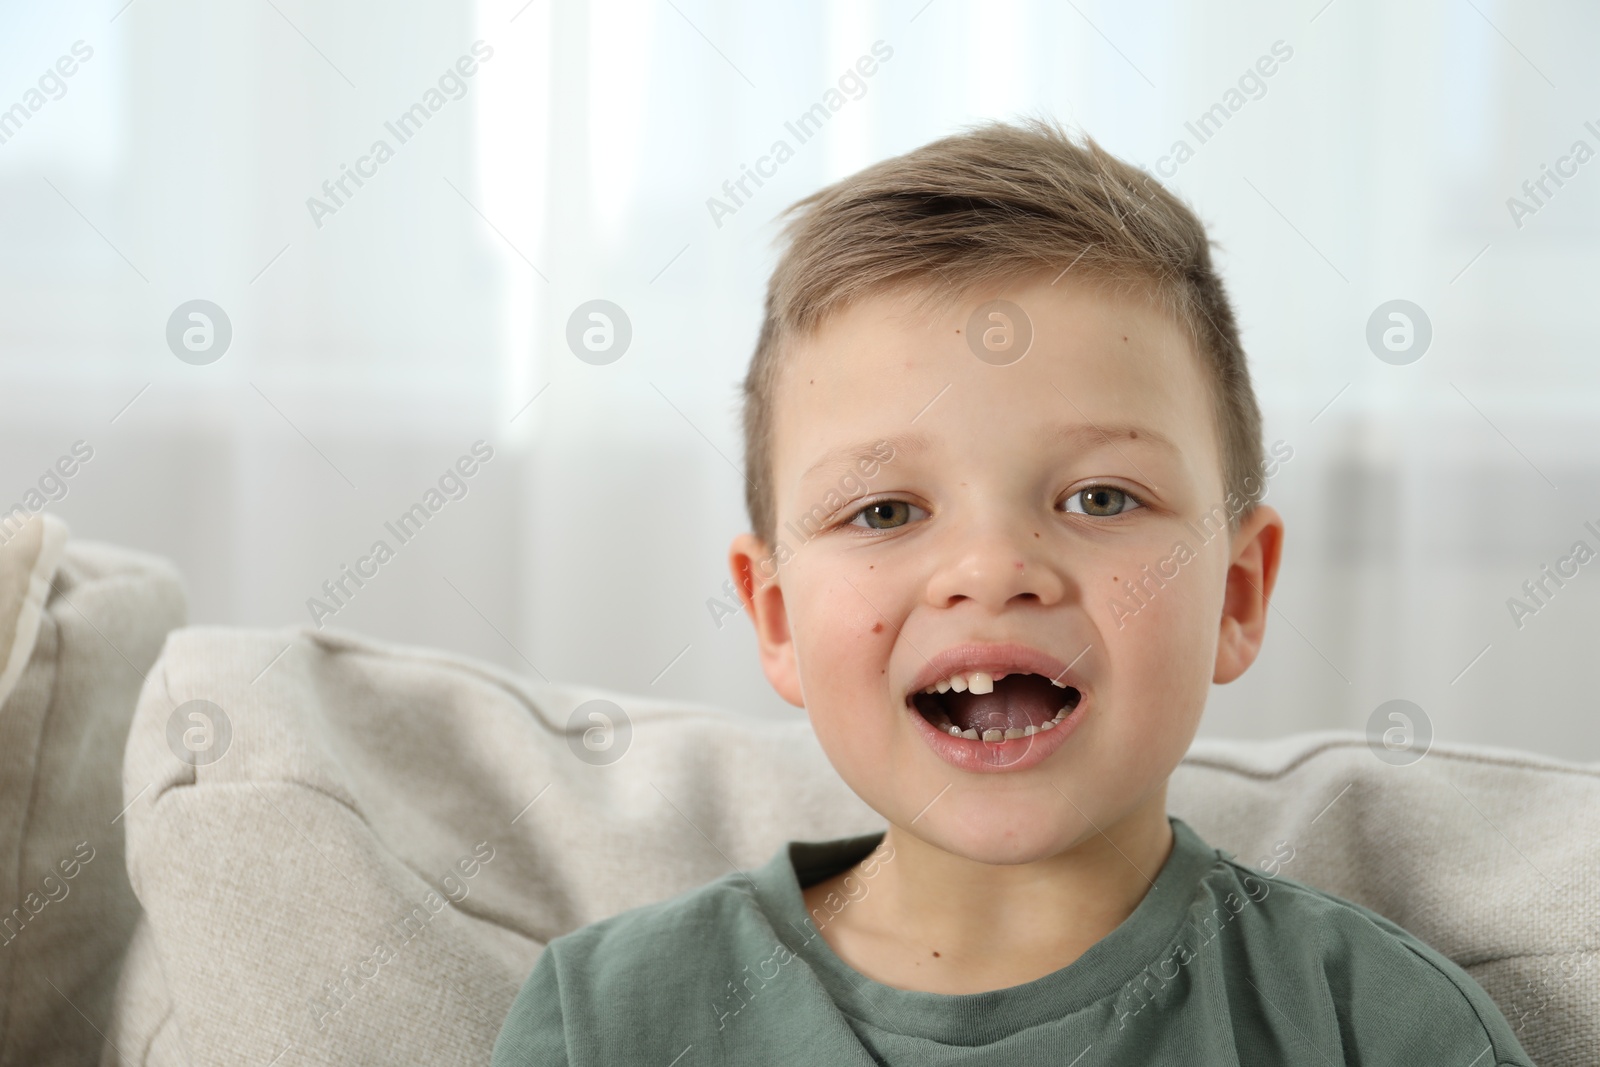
(379, 334)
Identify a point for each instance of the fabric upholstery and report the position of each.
(80, 625)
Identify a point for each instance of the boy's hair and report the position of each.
(998, 203)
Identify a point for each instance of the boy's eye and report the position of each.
(1103, 501)
(884, 515)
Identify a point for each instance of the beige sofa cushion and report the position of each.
(80, 624)
(368, 871)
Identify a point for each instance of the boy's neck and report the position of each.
(939, 922)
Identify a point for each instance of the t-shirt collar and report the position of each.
(977, 1018)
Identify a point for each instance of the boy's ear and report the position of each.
(1257, 550)
(749, 560)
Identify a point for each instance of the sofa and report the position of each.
(301, 846)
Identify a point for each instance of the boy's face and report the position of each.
(978, 533)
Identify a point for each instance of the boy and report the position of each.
(1004, 640)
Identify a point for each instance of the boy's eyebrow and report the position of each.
(1091, 434)
(1078, 435)
(845, 459)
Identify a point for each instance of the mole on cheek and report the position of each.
(877, 627)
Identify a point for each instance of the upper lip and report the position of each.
(996, 660)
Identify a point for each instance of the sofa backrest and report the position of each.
(80, 626)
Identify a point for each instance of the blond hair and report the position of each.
(997, 203)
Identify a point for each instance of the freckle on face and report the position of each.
(877, 627)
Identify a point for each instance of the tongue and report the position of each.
(1018, 701)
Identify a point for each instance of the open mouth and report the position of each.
(984, 707)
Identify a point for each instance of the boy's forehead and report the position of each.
(1096, 359)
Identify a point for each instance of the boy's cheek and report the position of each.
(1162, 636)
(1160, 677)
(1170, 638)
(1166, 589)
(844, 648)
(843, 643)
(855, 606)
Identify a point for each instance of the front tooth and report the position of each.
(1029, 730)
(970, 735)
(942, 685)
(994, 735)
(1012, 733)
(1058, 684)
(981, 682)
(958, 682)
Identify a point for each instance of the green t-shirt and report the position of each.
(1219, 964)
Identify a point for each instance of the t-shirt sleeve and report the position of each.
(533, 1034)
(1400, 993)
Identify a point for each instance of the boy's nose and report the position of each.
(993, 568)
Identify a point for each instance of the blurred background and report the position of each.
(360, 336)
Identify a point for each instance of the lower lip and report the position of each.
(988, 757)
